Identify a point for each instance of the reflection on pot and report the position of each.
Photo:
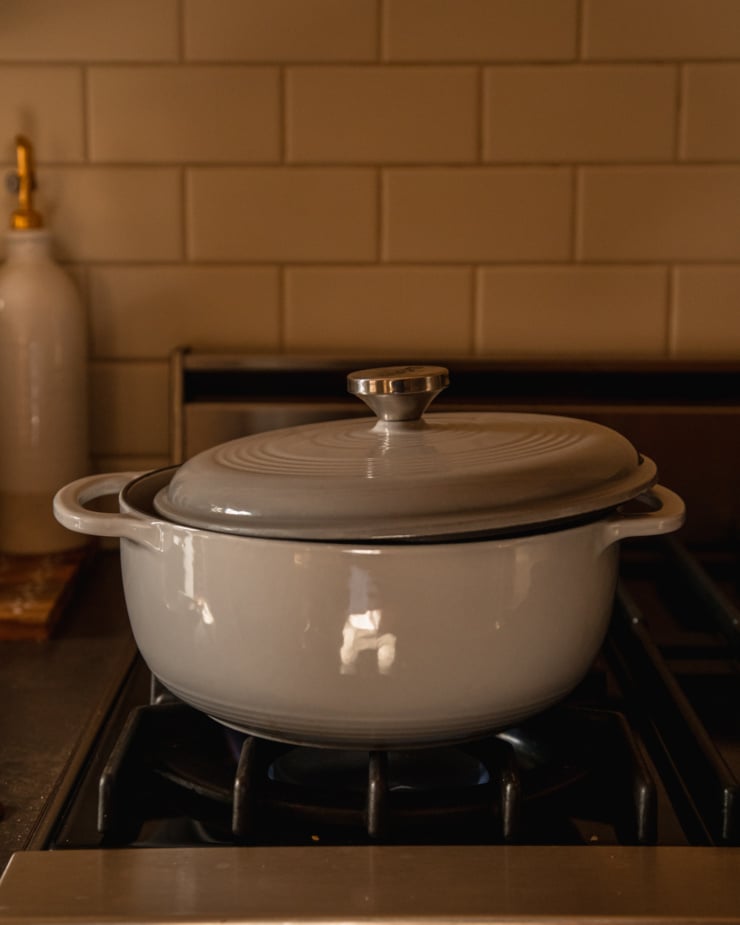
(361, 632)
(195, 601)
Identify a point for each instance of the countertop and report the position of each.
(53, 695)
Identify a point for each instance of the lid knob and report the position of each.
(398, 393)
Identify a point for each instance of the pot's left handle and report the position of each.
(70, 510)
(668, 516)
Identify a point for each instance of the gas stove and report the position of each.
(642, 753)
(622, 801)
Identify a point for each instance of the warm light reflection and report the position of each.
(196, 602)
(188, 562)
(361, 633)
(205, 610)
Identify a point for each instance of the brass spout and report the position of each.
(25, 216)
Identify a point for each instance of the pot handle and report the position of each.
(70, 511)
(667, 517)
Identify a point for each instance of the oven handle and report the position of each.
(668, 515)
(70, 510)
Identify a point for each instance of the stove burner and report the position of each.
(438, 769)
(172, 761)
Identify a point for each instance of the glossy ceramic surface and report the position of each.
(363, 645)
(445, 475)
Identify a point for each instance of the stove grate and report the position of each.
(516, 787)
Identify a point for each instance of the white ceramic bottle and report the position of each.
(43, 380)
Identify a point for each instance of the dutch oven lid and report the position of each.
(406, 476)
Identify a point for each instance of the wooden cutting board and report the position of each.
(35, 589)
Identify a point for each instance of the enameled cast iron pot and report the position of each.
(363, 583)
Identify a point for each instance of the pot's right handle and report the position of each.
(666, 518)
(70, 510)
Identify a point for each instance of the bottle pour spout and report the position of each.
(23, 183)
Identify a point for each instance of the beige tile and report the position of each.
(573, 312)
(407, 311)
(89, 30)
(477, 214)
(659, 213)
(143, 312)
(711, 112)
(706, 313)
(110, 213)
(130, 409)
(184, 114)
(280, 30)
(265, 214)
(631, 29)
(579, 113)
(44, 103)
(382, 114)
(480, 30)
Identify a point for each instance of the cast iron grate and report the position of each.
(571, 771)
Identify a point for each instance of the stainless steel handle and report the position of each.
(398, 393)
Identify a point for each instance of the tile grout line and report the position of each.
(575, 222)
(381, 14)
(476, 314)
(86, 146)
(580, 30)
(364, 63)
(282, 317)
(481, 113)
(670, 346)
(185, 221)
(381, 207)
(181, 32)
(679, 120)
(86, 117)
(282, 76)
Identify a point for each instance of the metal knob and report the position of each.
(398, 393)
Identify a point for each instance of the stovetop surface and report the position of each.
(645, 752)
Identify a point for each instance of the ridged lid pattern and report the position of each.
(438, 477)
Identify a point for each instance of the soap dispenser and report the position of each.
(43, 379)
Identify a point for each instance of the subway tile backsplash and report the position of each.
(580, 114)
(184, 115)
(659, 213)
(276, 214)
(660, 29)
(479, 30)
(344, 115)
(89, 30)
(710, 130)
(280, 30)
(477, 214)
(578, 311)
(381, 309)
(140, 312)
(112, 213)
(529, 178)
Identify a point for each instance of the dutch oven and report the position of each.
(405, 580)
